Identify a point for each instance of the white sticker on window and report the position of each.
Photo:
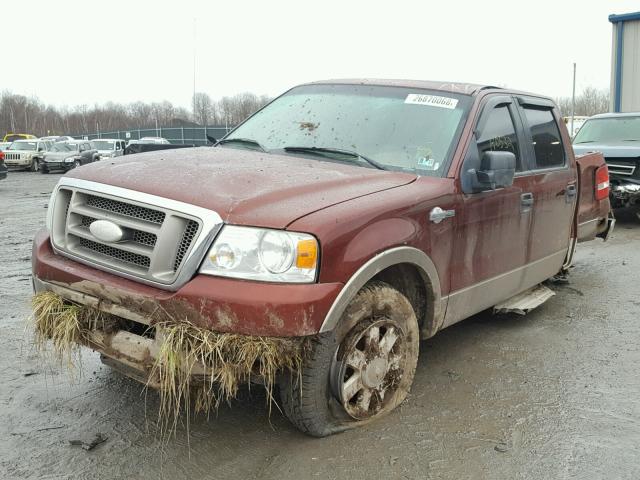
(431, 100)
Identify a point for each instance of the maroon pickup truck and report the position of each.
(355, 217)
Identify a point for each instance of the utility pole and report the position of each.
(194, 70)
(573, 98)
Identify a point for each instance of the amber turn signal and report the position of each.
(307, 254)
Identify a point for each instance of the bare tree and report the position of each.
(203, 108)
(590, 102)
(29, 115)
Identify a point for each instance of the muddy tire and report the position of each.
(360, 371)
(35, 165)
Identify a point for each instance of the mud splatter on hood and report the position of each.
(244, 187)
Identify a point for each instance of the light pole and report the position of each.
(573, 98)
(194, 70)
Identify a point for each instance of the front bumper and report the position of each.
(57, 165)
(219, 304)
(18, 164)
(625, 193)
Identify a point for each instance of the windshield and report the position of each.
(24, 146)
(103, 145)
(606, 130)
(399, 128)
(64, 147)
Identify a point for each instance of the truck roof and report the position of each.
(453, 87)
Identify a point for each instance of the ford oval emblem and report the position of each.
(106, 231)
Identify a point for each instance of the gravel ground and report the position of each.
(552, 395)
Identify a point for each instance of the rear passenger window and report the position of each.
(545, 134)
(499, 134)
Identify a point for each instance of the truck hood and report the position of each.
(618, 149)
(244, 187)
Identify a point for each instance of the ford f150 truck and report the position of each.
(352, 217)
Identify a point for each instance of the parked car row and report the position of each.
(51, 153)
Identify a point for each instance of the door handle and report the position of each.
(570, 193)
(526, 202)
(437, 214)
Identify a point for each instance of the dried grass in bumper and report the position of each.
(219, 362)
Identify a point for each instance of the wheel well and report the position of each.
(415, 285)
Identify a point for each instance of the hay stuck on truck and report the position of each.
(316, 244)
(189, 365)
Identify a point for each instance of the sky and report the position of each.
(69, 52)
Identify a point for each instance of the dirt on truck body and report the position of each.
(315, 259)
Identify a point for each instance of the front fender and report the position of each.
(379, 262)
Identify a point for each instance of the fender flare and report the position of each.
(378, 263)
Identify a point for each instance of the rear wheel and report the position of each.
(360, 371)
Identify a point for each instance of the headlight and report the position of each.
(69, 159)
(262, 254)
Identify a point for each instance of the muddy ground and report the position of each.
(553, 395)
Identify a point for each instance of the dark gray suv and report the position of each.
(67, 155)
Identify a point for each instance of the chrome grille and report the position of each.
(163, 241)
(112, 252)
(187, 237)
(620, 169)
(11, 156)
(138, 236)
(145, 238)
(122, 208)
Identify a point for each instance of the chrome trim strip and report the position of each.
(375, 265)
(211, 225)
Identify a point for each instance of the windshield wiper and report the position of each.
(246, 141)
(336, 151)
(586, 141)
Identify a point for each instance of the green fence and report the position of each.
(178, 135)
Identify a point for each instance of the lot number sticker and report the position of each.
(431, 100)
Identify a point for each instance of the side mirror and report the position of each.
(496, 171)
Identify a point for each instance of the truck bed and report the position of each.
(592, 216)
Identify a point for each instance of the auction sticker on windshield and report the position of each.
(431, 100)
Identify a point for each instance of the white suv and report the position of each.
(26, 154)
(108, 147)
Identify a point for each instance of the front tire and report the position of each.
(35, 165)
(360, 371)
